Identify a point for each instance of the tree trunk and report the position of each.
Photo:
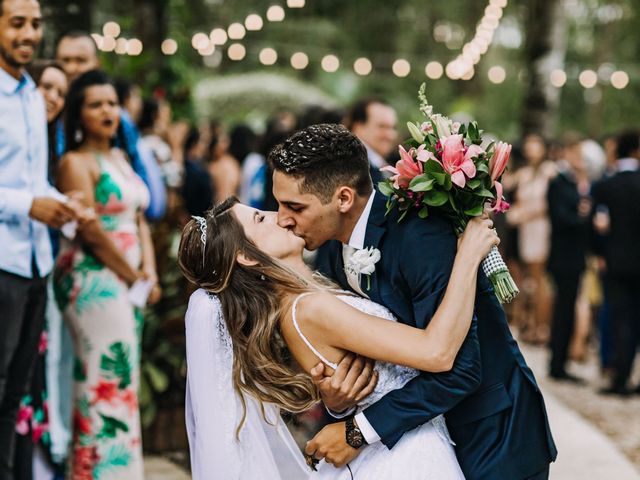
(544, 50)
(151, 28)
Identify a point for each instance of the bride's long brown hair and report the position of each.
(253, 304)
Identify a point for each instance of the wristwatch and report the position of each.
(355, 438)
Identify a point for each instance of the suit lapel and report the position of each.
(375, 231)
(338, 267)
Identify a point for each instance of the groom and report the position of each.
(492, 404)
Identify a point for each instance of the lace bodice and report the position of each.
(390, 376)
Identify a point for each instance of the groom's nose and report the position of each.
(284, 220)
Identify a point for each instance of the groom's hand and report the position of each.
(331, 444)
(351, 382)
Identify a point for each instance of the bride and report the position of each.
(261, 320)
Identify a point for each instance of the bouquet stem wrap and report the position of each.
(496, 270)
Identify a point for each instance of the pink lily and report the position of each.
(426, 127)
(499, 205)
(456, 161)
(406, 169)
(499, 160)
(423, 154)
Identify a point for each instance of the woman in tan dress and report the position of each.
(529, 214)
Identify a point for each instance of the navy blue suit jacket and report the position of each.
(493, 407)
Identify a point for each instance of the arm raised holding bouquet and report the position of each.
(446, 169)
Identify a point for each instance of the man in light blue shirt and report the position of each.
(28, 204)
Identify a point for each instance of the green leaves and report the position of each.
(117, 456)
(436, 198)
(385, 188)
(110, 427)
(473, 133)
(431, 166)
(79, 370)
(485, 193)
(157, 378)
(421, 184)
(474, 211)
(442, 178)
(118, 365)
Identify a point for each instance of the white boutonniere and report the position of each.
(363, 262)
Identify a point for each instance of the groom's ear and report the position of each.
(345, 198)
(242, 260)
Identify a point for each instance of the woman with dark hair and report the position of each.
(52, 84)
(92, 279)
(274, 313)
(34, 416)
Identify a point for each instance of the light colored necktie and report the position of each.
(353, 278)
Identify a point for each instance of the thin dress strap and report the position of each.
(304, 339)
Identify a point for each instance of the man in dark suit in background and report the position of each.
(569, 212)
(494, 409)
(374, 121)
(620, 196)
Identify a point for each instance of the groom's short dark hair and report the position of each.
(325, 157)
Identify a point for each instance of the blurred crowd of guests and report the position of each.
(115, 177)
(569, 240)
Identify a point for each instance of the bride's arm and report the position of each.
(433, 349)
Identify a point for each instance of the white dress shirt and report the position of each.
(356, 242)
(628, 164)
(375, 159)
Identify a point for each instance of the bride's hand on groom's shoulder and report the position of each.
(350, 383)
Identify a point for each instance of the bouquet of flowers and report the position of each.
(449, 169)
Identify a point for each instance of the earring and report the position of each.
(263, 278)
(78, 135)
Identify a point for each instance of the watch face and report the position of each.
(355, 438)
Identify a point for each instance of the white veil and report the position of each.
(266, 450)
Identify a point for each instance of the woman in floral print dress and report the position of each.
(92, 278)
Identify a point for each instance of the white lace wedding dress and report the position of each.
(425, 453)
(266, 450)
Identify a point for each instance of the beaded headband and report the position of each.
(202, 223)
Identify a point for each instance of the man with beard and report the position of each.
(28, 204)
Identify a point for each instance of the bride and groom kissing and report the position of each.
(447, 394)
